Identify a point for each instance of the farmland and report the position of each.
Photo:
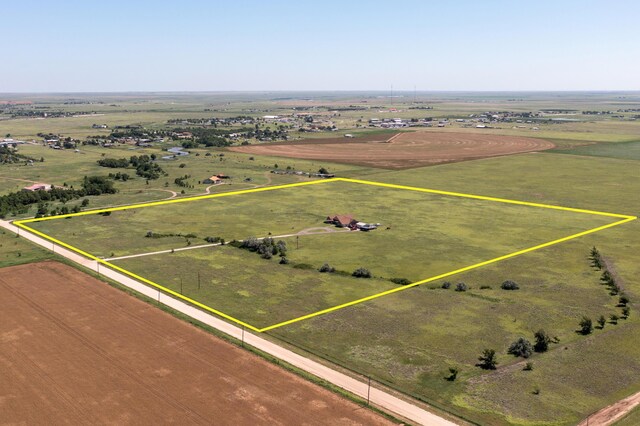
(409, 339)
(405, 150)
(78, 349)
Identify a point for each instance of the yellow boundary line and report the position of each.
(624, 219)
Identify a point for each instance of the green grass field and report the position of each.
(16, 251)
(408, 339)
(622, 150)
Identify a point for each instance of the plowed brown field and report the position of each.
(404, 150)
(75, 351)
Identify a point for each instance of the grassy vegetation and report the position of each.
(16, 251)
(623, 150)
(410, 339)
(424, 235)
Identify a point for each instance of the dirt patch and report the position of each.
(404, 150)
(614, 412)
(75, 350)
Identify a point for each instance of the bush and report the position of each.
(284, 260)
(521, 347)
(625, 312)
(586, 325)
(542, 341)
(509, 285)
(361, 273)
(327, 268)
(528, 366)
(487, 360)
(453, 374)
(401, 281)
(485, 287)
(461, 287)
(446, 285)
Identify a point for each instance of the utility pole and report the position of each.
(297, 241)
(369, 391)
(180, 285)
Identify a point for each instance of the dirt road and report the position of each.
(378, 397)
(612, 413)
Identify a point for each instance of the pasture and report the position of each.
(426, 235)
(411, 338)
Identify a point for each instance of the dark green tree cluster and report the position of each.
(11, 156)
(19, 202)
(182, 181)
(361, 273)
(265, 247)
(144, 165)
(114, 163)
(609, 280)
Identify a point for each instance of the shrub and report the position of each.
(625, 312)
(487, 360)
(485, 287)
(361, 273)
(284, 260)
(613, 319)
(453, 374)
(528, 366)
(461, 287)
(586, 325)
(446, 285)
(521, 347)
(401, 281)
(509, 285)
(542, 341)
(327, 268)
(623, 300)
(601, 321)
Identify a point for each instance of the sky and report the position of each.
(276, 45)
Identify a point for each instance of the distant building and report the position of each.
(212, 180)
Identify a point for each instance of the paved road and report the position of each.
(378, 397)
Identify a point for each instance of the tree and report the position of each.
(613, 319)
(601, 321)
(623, 300)
(461, 287)
(521, 347)
(509, 285)
(542, 341)
(361, 273)
(586, 325)
(327, 268)
(323, 171)
(453, 374)
(625, 312)
(487, 360)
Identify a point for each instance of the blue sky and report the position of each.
(189, 45)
